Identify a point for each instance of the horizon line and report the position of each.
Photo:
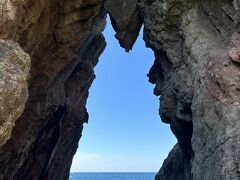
(114, 172)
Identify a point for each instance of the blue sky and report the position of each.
(124, 133)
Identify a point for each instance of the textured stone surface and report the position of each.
(234, 54)
(7, 16)
(176, 166)
(64, 40)
(196, 72)
(14, 73)
(198, 83)
(126, 20)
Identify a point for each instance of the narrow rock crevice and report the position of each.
(44, 81)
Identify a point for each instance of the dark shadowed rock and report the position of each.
(64, 40)
(196, 72)
(176, 166)
(126, 20)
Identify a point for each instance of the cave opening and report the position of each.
(124, 132)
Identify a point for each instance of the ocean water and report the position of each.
(112, 176)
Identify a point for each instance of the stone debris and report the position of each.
(234, 54)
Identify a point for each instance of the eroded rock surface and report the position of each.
(14, 73)
(176, 166)
(64, 40)
(126, 21)
(198, 84)
(196, 72)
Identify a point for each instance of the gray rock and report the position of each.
(126, 20)
(199, 96)
(176, 166)
(196, 72)
(14, 73)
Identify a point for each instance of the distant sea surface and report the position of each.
(112, 176)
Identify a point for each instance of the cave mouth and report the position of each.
(124, 132)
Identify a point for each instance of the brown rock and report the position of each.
(64, 48)
(7, 17)
(234, 54)
(126, 21)
(199, 96)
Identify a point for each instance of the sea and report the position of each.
(112, 176)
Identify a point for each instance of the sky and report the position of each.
(125, 132)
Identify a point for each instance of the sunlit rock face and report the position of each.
(14, 73)
(196, 72)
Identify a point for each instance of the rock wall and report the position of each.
(198, 81)
(64, 40)
(196, 72)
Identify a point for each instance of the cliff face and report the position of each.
(196, 72)
(64, 40)
(198, 83)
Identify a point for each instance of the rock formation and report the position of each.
(198, 84)
(64, 40)
(126, 20)
(196, 72)
(14, 73)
